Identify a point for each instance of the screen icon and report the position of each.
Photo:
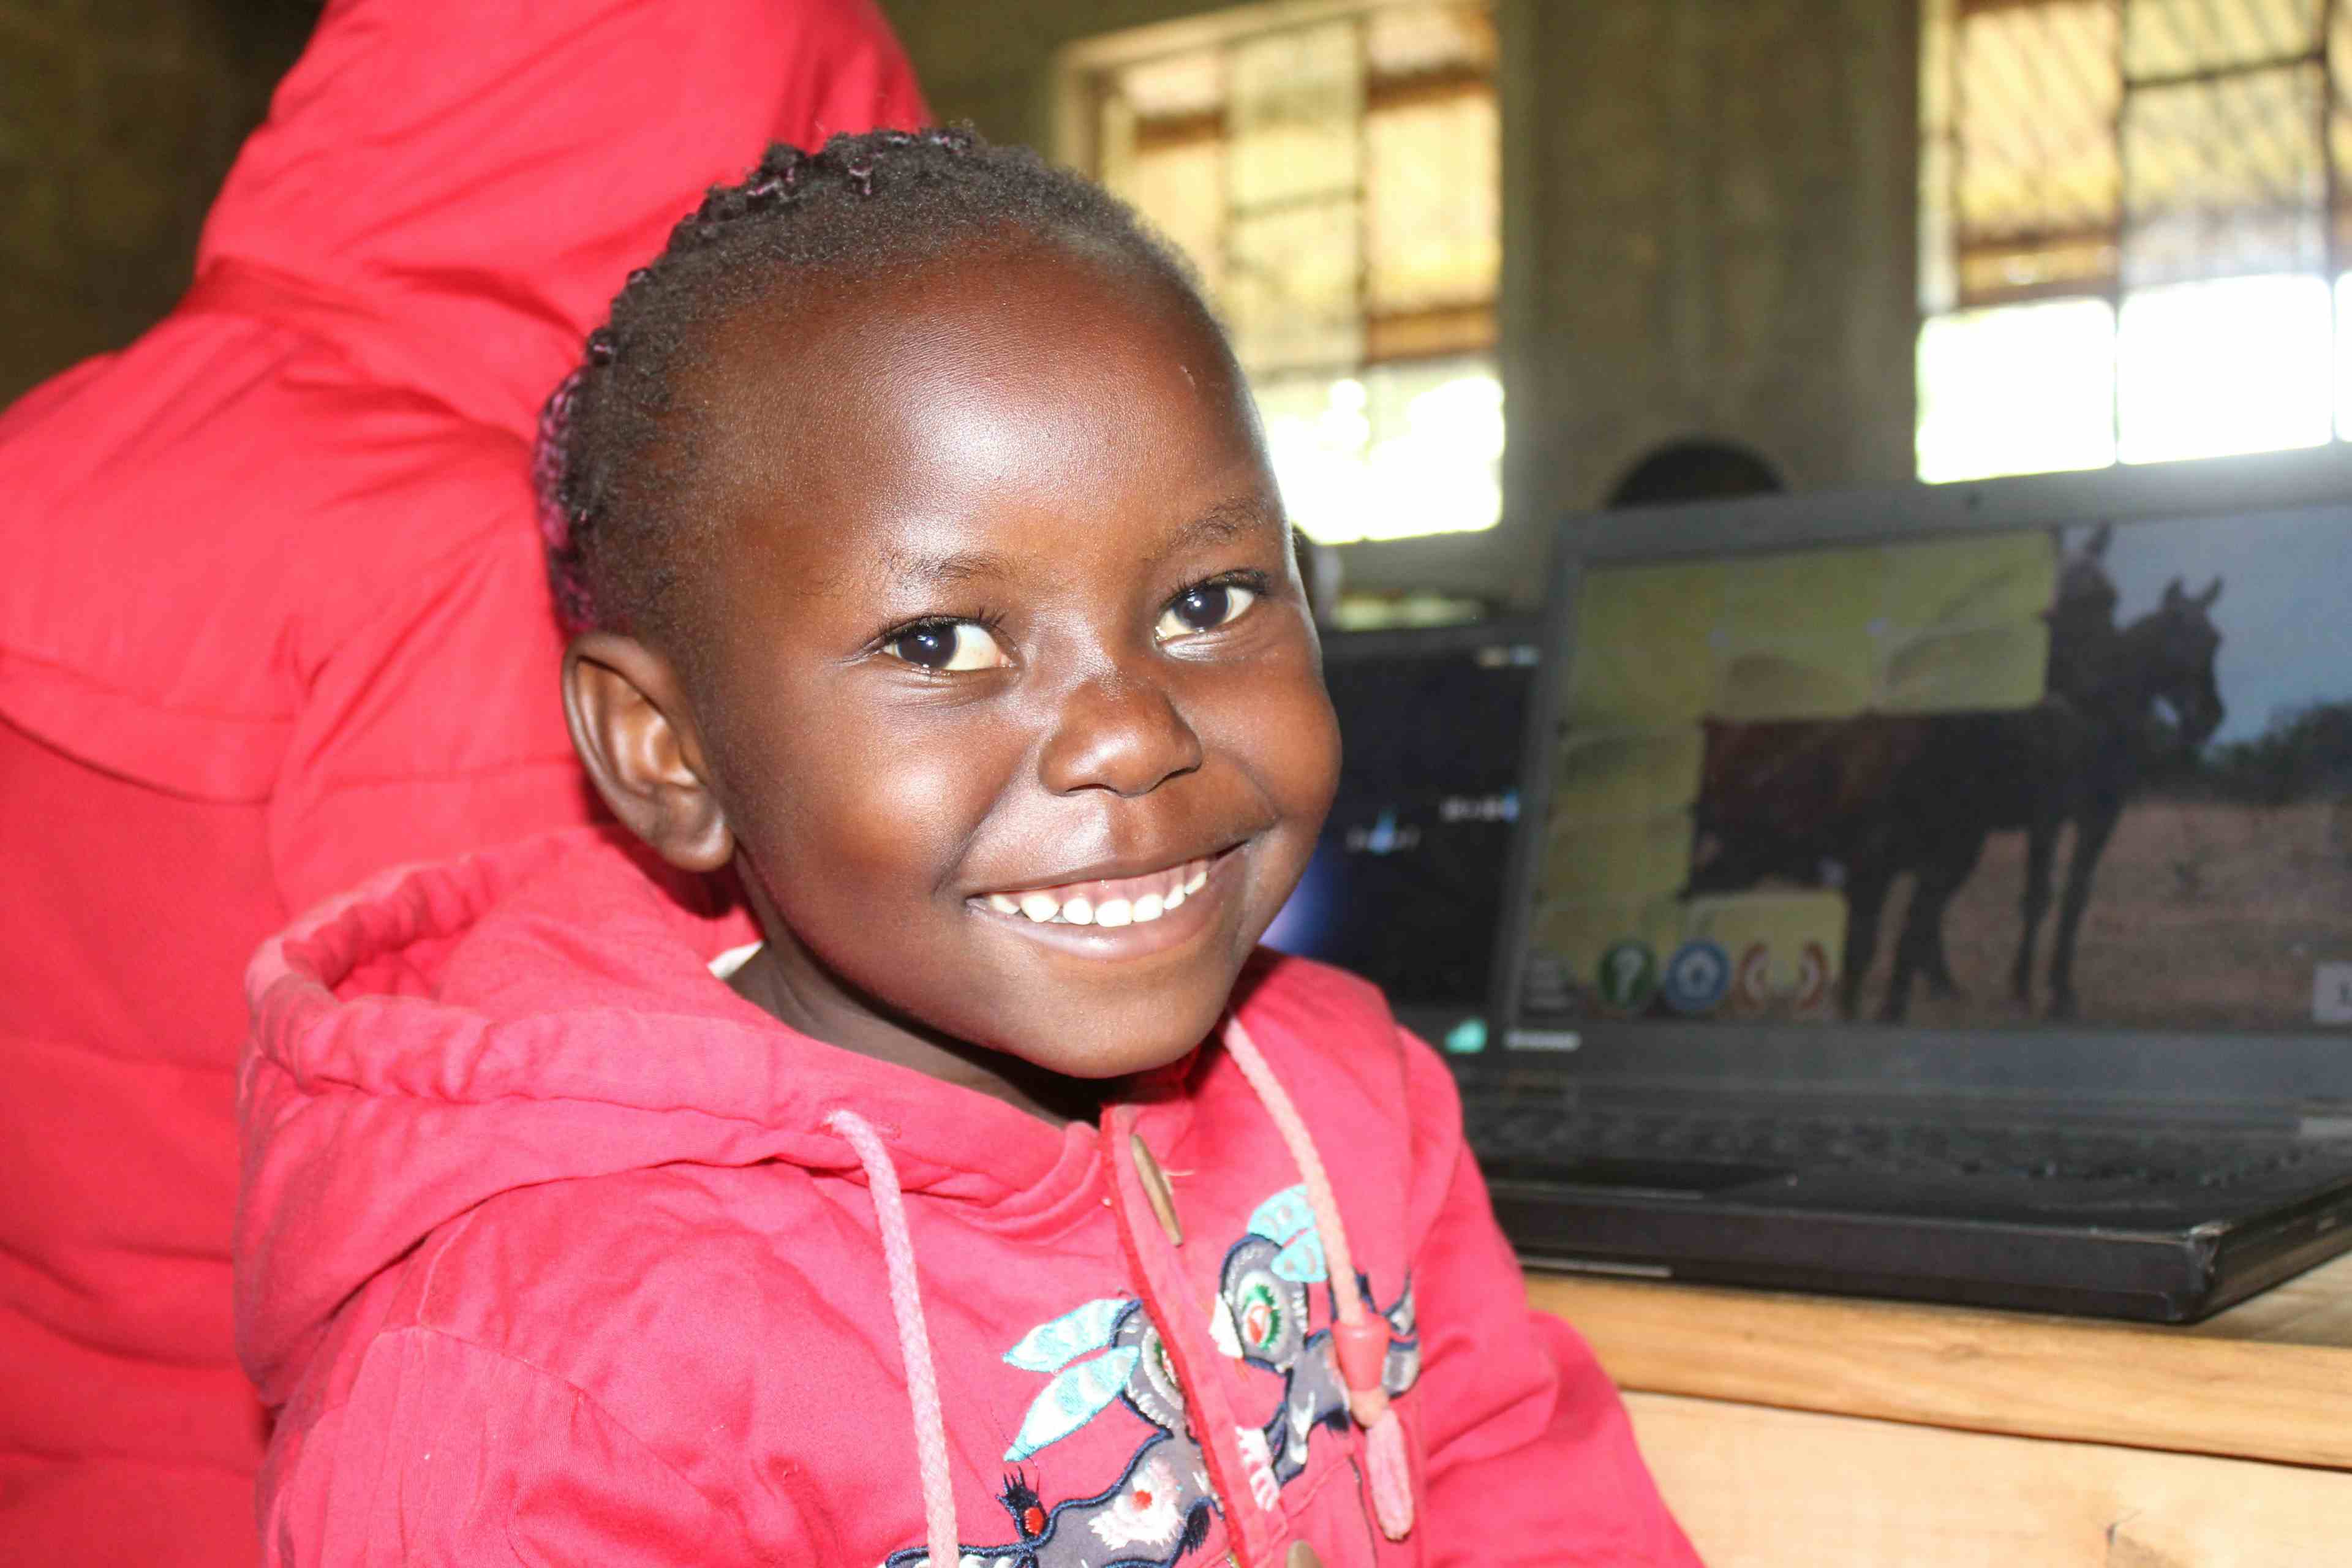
(1697, 977)
(1629, 975)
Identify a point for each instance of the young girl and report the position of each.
(974, 1191)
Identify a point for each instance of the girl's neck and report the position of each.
(1053, 1098)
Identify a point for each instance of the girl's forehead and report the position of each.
(982, 392)
(908, 332)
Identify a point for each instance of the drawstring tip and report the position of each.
(1390, 1476)
(1361, 1348)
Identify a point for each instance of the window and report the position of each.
(1335, 179)
(2132, 231)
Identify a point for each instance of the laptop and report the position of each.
(1805, 775)
(1406, 884)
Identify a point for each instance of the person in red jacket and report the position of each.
(975, 1191)
(273, 617)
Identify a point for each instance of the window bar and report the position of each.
(2328, 196)
(1363, 197)
(2124, 11)
(1955, 107)
(2211, 76)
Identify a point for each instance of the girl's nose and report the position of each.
(1118, 733)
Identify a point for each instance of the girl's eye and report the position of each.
(947, 647)
(1204, 609)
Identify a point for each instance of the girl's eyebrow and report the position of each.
(922, 568)
(1225, 521)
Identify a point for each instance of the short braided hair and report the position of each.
(619, 447)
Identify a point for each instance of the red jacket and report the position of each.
(272, 616)
(550, 1252)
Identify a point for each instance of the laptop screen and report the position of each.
(2037, 755)
(1406, 884)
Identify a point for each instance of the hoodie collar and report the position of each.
(546, 1012)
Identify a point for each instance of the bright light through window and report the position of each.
(1396, 452)
(2190, 369)
(2242, 365)
(2020, 389)
(2343, 359)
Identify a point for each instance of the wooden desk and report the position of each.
(1827, 1431)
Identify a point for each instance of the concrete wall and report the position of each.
(1709, 230)
(118, 118)
(1713, 230)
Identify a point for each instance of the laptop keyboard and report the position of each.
(1526, 1141)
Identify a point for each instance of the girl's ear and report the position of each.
(632, 727)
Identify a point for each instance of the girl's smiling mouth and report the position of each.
(1107, 904)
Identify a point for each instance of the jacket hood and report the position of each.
(226, 540)
(544, 1012)
(446, 182)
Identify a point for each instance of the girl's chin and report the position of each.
(1103, 1049)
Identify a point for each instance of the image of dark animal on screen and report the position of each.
(1856, 803)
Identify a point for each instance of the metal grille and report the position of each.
(2086, 147)
(1337, 183)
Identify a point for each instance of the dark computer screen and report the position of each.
(2095, 774)
(1406, 884)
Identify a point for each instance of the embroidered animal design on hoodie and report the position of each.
(1109, 1351)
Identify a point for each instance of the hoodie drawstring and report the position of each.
(1360, 1338)
(914, 1339)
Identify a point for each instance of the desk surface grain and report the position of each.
(2270, 1379)
(1758, 1487)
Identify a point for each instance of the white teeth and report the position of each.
(1043, 907)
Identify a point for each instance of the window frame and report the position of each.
(1493, 564)
(1948, 245)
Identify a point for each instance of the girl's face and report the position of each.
(1009, 697)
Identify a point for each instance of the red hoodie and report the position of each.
(551, 1249)
(273, 616)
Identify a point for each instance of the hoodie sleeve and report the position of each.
(1530, 1457)
(444, 1451)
